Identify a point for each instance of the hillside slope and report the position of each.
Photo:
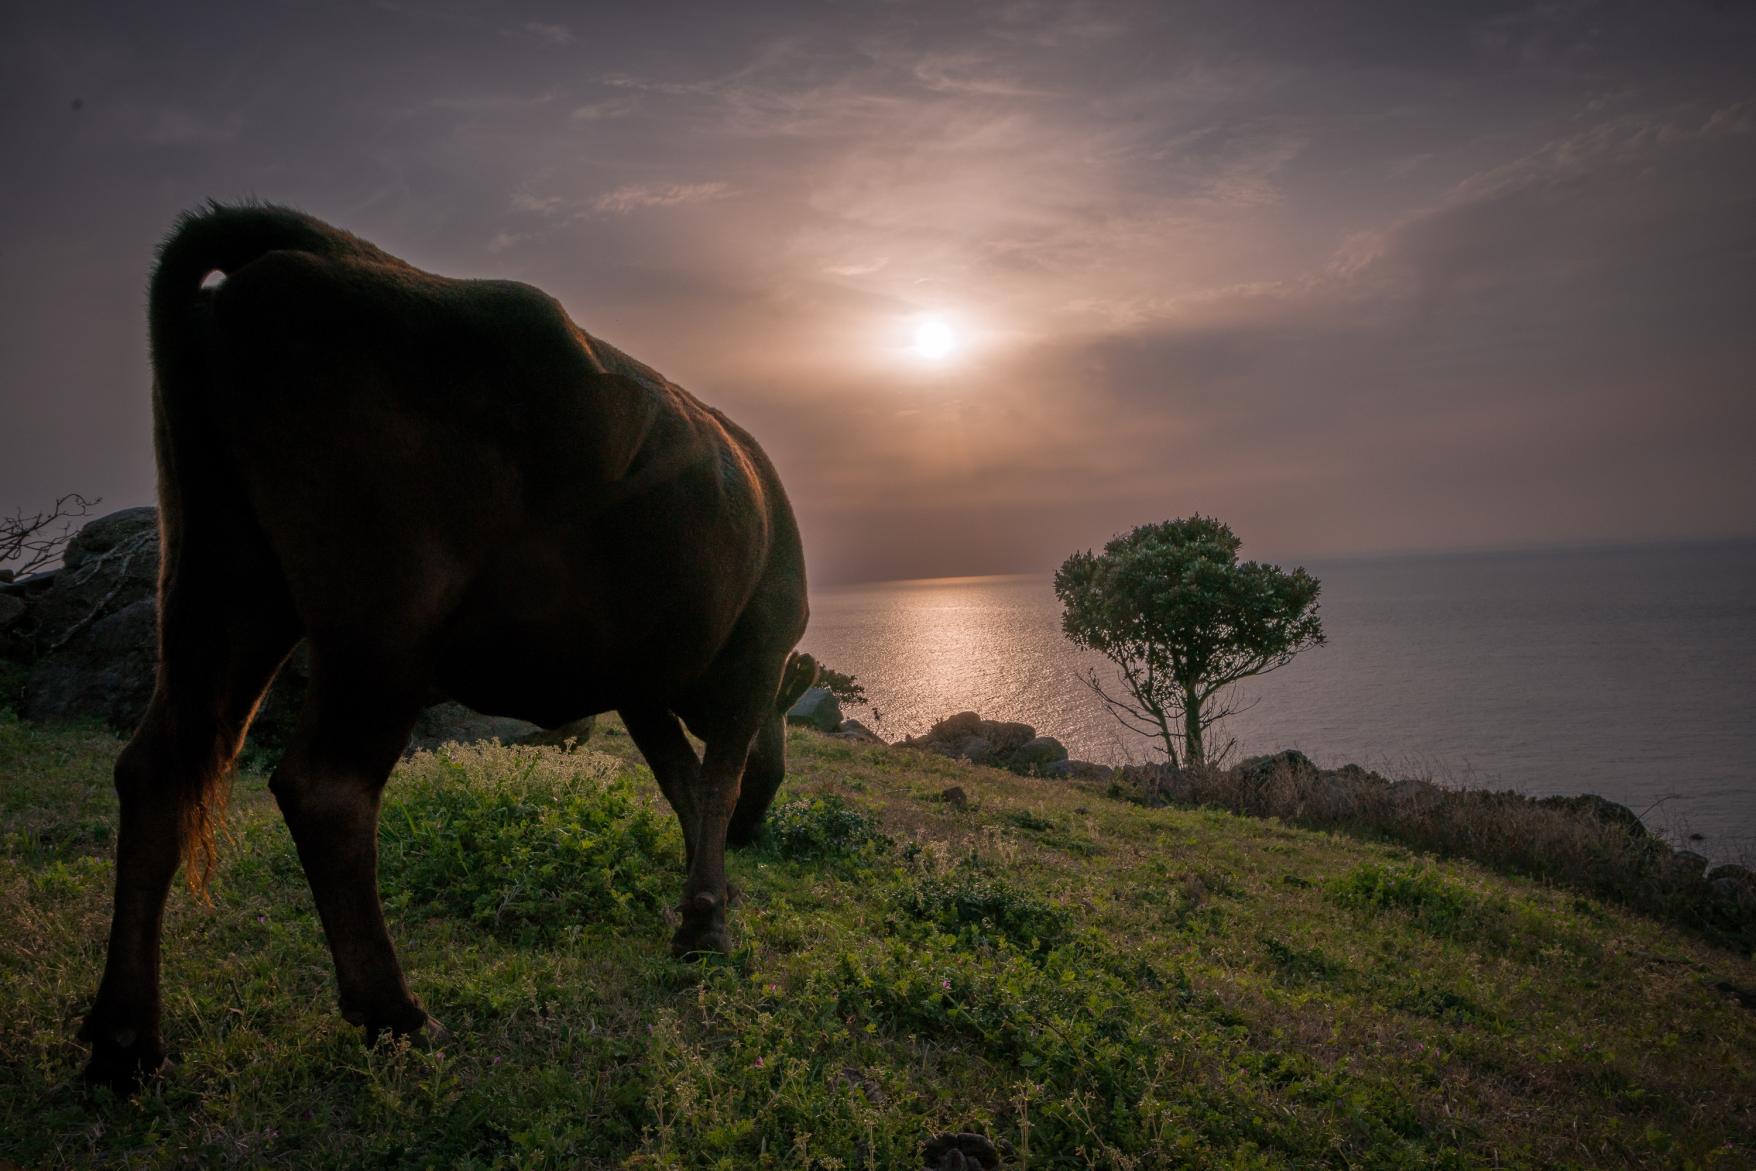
(1090, 982)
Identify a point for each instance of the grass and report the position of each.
(1088, 981)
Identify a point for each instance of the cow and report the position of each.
(446, 488)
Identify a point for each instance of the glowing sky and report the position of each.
(1352, 276)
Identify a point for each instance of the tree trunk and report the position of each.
(1193, 750)
(1170, 739)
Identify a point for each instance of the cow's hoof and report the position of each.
(704, 928)
(121, 1060)
(401, 1022)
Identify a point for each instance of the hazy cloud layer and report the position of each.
(1353, 276)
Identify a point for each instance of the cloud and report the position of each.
(554, 34)
(636, 196)
(603, 111)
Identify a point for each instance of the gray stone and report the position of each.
(1590, 805)
(1083, 770)
(1259, 770)
(955, 797)
(11, 610)
(855, 731)
(447, 722)
(1007, 737)
(1035, 755)
(104, 670)
(817, 708)
(579, 731)
(974, 749)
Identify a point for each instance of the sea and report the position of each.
(1629, 672)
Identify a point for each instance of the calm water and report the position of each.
(1625, 672)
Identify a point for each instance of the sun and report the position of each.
(935, 340)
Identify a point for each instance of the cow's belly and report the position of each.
(549, 639)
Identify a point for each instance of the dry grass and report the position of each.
(1577, 846)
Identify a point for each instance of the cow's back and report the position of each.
(456, 466)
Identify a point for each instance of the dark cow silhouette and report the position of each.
(446, 487)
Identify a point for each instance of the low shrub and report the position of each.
(527, 842)
(821, 828)
(979, 906)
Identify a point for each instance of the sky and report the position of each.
(1352, 276)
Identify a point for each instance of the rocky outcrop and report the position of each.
(1003, 744)
(92, 633)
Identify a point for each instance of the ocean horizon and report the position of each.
(1622, 670)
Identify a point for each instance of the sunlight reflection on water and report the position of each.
(1626, 672)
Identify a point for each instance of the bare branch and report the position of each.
(35, 542)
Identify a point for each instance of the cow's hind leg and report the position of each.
(214, 667)
(658, 735)
(763, 774)
(706, 894)
(353, 727)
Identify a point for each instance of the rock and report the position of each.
(1006, 737)
(446, 722)
(579, 731)
(975, 749)
(103, 669)
(1259, 770)
(955, 797)
(1035, 755)
(960, 1152)
(1590, 805)
(91, 630)
(1732, 872)
(952, 729)
(817, 708)
(1736, 893)
(1083, 770)
(858, 733)
(1687, 864)
(11, 609)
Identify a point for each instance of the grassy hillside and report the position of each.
(1094, 983)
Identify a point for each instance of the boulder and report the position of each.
(1735, 886)
(952, 729)
(1590, 805)
(858, 733)
(1082, 770)
(579, 731)
(1259, 770)
(1006, 736)
(817, 708)
(103, 669)
(1036, 755)
(975, 749)
(446, 722)
(955, 797)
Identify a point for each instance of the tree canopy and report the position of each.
(1171, 605)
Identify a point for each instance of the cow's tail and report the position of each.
(797, 678)
(199, 488)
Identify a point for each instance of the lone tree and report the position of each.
(1174, 609)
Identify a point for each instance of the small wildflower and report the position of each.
(945, 984)
(759, 1063)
